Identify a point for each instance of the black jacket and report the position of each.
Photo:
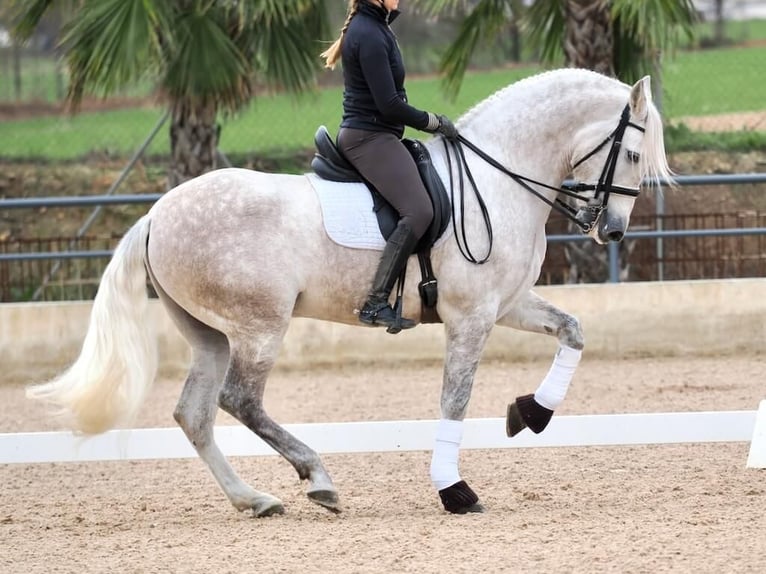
(373, 72)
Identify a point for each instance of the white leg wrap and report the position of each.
(444, 471)
(553, 389)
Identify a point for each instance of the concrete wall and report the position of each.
(620, 320)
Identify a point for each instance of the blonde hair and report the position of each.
(332, 54)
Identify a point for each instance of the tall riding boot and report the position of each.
(377, 310)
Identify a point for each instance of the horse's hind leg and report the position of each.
(196, 409)
(535, 314)
(252, 358)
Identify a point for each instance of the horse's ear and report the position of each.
(641, 97)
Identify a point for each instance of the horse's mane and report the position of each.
(536, 80)
(654, 162)
(653, 159)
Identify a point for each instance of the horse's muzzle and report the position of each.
(611, 228)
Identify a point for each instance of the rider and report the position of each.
(375, 113)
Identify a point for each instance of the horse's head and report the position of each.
(609, 164)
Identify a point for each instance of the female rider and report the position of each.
(375, 113)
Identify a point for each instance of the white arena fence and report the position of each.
(404, 435)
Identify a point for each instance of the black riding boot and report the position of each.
(377, 310)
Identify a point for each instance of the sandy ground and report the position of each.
(681, 508)
(740, 121)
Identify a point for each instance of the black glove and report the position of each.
(446, 127)
(439, 124)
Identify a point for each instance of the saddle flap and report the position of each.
(436, 191)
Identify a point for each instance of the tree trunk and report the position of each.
(515, 55)
(588, 41)
(193, 141)
(719, 23)
(17, 70)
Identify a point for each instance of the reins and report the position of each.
(585, 217)
(462, 164)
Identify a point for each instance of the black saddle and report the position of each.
(329, 163)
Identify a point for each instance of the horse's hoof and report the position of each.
(269, 510)
(460, 499)
(326, 498)
(526, 412)
(514, 423)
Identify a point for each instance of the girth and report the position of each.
(329, 163)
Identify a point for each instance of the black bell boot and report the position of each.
(377, 310)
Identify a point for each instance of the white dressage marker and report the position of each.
(757, 456)
(390, 436)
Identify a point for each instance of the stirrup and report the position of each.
(383, 315)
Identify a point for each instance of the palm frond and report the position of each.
(644, 30)
(289, 64)
(275, 12)
(482, 24)
(108, 46)
(284, 44)
(545, 23)
(656, 22)
(441, 7)
(26, 15)
(204, 65)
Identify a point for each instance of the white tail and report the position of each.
(106, 384)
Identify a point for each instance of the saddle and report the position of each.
(329, 163)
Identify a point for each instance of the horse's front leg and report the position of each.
(465, 342)
(535, 314)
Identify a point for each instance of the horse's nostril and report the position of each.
(615, 235)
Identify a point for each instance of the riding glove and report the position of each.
(438, 123)
(447, 128)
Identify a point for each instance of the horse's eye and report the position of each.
(633, 156)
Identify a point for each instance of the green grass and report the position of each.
(737, 31)
(117, 132)
(681, 138)
(270, 124)
(714, 81)
(279, 123)
(695, 83)
(42, 80)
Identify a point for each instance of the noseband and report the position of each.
(585, 217)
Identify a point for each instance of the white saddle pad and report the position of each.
(347, 213)
(348, 216)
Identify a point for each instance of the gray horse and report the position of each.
(234, 254)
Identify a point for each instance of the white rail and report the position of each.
(404, 435)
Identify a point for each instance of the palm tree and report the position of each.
(204, 56)
(622, 38)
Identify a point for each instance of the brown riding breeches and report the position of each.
(383, 161)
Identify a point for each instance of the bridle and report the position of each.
(585, 217)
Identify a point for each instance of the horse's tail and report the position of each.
(106, 384)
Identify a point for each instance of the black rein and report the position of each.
(584, 218)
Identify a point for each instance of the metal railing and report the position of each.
(613, 252)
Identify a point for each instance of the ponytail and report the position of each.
(332, 54)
